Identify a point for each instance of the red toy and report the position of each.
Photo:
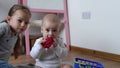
(49, 41)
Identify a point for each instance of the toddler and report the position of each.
(49, 50)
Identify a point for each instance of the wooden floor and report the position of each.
(72, 54)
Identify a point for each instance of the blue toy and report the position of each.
(82, 63)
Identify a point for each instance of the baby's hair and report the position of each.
(51, 17)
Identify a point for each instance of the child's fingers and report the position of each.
(55, 42)
(43, 40)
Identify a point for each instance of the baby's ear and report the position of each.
(41, 29)
(61, 27)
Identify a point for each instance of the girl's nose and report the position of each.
(22, 24)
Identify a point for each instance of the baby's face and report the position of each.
(50, 29)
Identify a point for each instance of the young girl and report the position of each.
(15, 23)
(49, 56)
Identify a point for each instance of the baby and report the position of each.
(50, 49)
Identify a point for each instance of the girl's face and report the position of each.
(50, 29)
(18, 21)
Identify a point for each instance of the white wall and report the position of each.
(100, 31)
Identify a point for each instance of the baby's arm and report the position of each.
(61, 50)
(36, 49)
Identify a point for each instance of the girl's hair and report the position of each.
(16, 7)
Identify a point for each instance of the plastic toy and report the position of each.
(49, 41)
(82, 63)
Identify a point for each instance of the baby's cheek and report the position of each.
(57, 35)
(45, 34)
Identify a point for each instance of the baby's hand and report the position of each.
(47, 42)
(55, 42)
(43, 40)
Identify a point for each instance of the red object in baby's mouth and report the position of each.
(49, 41)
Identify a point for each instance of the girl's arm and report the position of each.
(18, 46)
(2, 30)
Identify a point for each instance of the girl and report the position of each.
(15, 23)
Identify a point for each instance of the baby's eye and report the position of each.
(54, 30)
(47, 30)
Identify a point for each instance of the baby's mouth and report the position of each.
(21, 30)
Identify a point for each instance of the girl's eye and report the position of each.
(26, 23)
(19, 21)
